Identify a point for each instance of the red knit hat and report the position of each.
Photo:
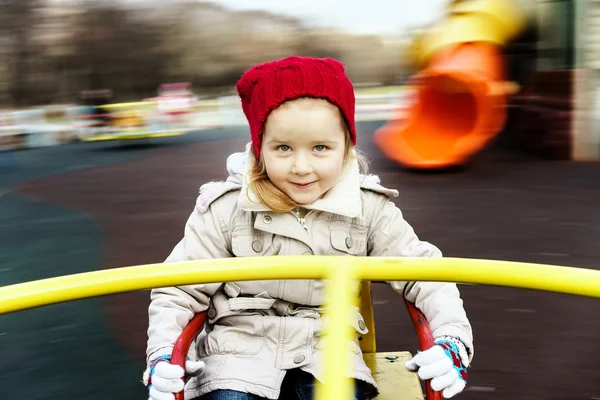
(266, 86)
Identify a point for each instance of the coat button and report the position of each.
(211, 313)
(361, 325)
(299, 358)
(267, 219)
(257, 246)
(348, 242)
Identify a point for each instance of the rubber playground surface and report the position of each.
(89, 206)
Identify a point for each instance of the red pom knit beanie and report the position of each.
(266, 86)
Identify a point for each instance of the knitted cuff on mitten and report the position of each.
(463, 352)
(457, 352)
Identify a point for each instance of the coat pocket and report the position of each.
(356, 321)
(348, 239)
(248, 242)
(235, 335)
(321, 344)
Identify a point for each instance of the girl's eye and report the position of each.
(320, 147)
(284, 147)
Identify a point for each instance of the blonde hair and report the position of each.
(278, 201)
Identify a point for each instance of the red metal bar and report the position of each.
(184, 341)
(426, 341)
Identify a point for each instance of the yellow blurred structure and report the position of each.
(134, 121)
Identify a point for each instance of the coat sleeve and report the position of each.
(391, 236)
(171, 308)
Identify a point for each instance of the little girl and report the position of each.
(298, 190)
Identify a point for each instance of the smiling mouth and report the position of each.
(302, 185)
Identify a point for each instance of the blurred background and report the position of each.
(482, 113)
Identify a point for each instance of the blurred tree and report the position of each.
(118, 48)
(16, 19)
(50, 51)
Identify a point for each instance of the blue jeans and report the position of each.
(297, 385)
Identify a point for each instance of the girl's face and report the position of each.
(303, 148)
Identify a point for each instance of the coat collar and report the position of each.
(343, 199)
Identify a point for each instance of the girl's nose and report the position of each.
(301, 166)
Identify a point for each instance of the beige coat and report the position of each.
(257, 330)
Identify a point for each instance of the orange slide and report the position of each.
(459, 104)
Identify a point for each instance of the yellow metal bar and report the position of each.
(340, 295)
(552, 278)
(569, 280)
(119, 280)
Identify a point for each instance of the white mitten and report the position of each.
(445, 364)
(164, 379)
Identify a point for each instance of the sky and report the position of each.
(358, 16)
